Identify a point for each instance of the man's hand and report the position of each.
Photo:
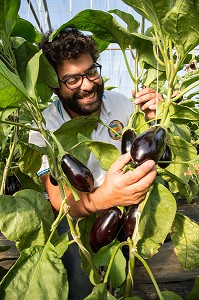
(118, 189)
(147, 98)
(128, 188)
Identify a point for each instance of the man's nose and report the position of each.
(86, 84)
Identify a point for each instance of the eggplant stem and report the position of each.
(150, 275)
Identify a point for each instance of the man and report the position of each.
(81, 92)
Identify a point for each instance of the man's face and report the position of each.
(85, 99)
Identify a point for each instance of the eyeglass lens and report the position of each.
(75, 81)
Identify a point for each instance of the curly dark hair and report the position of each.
(70, 43)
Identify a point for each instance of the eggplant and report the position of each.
(12, 185)
(105, 228)
(149, 145)
(130, 220)
(128, 137)
(166, 156)
(168, 238)
(53, 180)
(77, 173)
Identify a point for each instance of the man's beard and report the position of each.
(86, 109)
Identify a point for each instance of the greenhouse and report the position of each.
(99, 152)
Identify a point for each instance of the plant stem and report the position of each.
(150, 275)
(127, 65)
(9, 161)
(131, 267)
(156, 56)
(74, 234)
(19, 125)
(38, 119)
(112, 259)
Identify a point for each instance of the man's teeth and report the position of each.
(89, 95)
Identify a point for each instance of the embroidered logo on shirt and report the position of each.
(115, 129)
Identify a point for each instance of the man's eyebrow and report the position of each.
(71, 75)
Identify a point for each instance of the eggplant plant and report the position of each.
(159, 54)
(163, 57)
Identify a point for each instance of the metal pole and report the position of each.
(48, 16)
(35, 15)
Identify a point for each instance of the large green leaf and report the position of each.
(105, 153)
(182, 114)
(25, 29)
(47, 73)
(176, 184)
(182, 153)
(106, 28)
(194, 293)
(8, 15)
(152, 10)
(100, 292)
(133, 24)
(23, 214)
(30, 158)
(37, 274)
(181, 130)
(118, 270)
(67, 135)
(102, 24)
(12, 90)
(156, 220)
(102, 258)
(23, 54)
(32, 72)
(167, 295)
(185, 234)
(182, 26)
(30, 182)
(189, 78)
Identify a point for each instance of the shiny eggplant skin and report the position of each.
(12, 185)
(77, 173)
(166, 156)
(105, 228)
(128, 137)
(149, 145)
(130, 220)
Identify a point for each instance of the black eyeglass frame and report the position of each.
(83, 75)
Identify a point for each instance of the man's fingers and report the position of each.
(147, 95)
(120, 163)
(137, 174)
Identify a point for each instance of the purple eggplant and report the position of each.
(12, 185)
(130, 220)
(149, 145)
(53, 180)
(128, 137)
(77, 173)
(166, 156)
(105, 228)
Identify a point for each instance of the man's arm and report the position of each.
(118, 188)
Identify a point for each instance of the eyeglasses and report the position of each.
(75, 81)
